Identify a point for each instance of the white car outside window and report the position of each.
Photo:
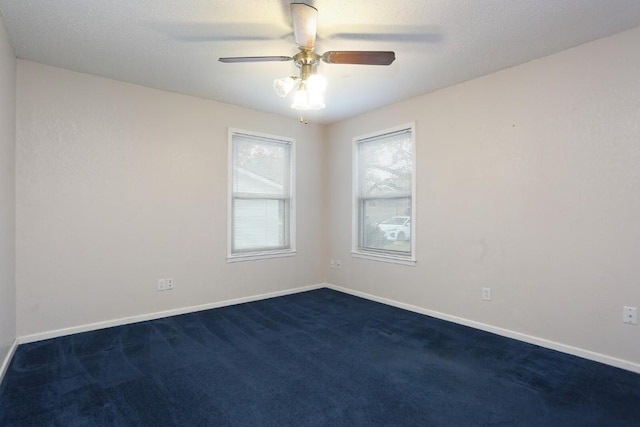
(397, 228)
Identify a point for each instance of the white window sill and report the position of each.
(393, 259)
(252, 256)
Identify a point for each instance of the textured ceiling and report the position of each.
(175, 45)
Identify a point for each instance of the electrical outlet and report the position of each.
(169, 284)
(486, 294)
(162, 284)
(630, 315)
(338, 263)
(332, 264)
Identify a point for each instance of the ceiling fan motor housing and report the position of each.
(307, 61)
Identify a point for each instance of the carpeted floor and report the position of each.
(318, 358)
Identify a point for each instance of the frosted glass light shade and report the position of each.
(283, 86)
(301, 99)
(310, 94)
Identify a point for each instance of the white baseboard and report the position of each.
(158, 315)
(586, 354)
(7, 359)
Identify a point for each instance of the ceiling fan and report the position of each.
(311, 85)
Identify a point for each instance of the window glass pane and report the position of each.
(386, 166)
(259, 224)
(387, 224)
(385, 174)
(260, 167)
(260, 194)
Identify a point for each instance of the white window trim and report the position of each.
(264, 254)
(356, 251)
(251, 256)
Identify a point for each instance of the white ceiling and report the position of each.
(175, 45)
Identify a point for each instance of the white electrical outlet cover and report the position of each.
(630, 315)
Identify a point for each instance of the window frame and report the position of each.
(265, 253)
(358, 251)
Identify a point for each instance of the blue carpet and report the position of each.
(318, 358)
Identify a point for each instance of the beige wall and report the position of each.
(119, 185)
(528, 182)
(7, 195)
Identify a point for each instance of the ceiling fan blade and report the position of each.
(234, 59)
(358, 57)
(305, 23)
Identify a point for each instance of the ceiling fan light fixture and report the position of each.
(301, 97)
(311, 87)
(310, 94)
(284, 85)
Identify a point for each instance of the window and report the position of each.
(384, 183)
(261, 205)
